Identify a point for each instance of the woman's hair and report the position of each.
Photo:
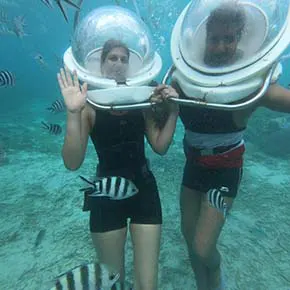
(228, 14)
(111, 44)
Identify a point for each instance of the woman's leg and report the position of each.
(110, 250)
(108, 226)
(145, 229)
(146, 247)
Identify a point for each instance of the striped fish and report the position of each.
(53, 129)
(114, 187)
(6, 79)
(91, 276)
(57, 106)
(216, 199)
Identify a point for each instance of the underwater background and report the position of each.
(43, 231)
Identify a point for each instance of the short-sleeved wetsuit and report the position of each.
(119, 143)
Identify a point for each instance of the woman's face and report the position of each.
(116, 64)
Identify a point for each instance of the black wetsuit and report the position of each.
(208, 121)
(119, 143)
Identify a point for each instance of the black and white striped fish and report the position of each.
(91, 276)
(7, 79)
(57, 106)
(216, 199)
(53, 129)
(114, 187)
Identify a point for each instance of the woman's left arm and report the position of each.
(160, 136)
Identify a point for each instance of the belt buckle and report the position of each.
(207, 151)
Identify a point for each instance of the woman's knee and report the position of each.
(147, 278)
(110, 248)
(146, 246)
(146, 285)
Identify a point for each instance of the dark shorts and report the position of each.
(200, 178)
(143, 208)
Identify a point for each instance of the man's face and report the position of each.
(221, 45)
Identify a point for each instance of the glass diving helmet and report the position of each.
(112, 50)
(227, 50)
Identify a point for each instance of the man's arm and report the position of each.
(277, 98)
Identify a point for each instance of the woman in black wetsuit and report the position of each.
(118, 138)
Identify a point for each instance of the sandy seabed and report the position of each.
(39, 194)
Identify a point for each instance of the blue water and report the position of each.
(38, 193)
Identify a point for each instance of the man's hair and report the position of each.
(228, 14)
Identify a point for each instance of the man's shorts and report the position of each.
(200, 178)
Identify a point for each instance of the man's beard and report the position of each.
(217, 59)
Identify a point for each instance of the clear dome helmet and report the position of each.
(227, 50)
(124, 28)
